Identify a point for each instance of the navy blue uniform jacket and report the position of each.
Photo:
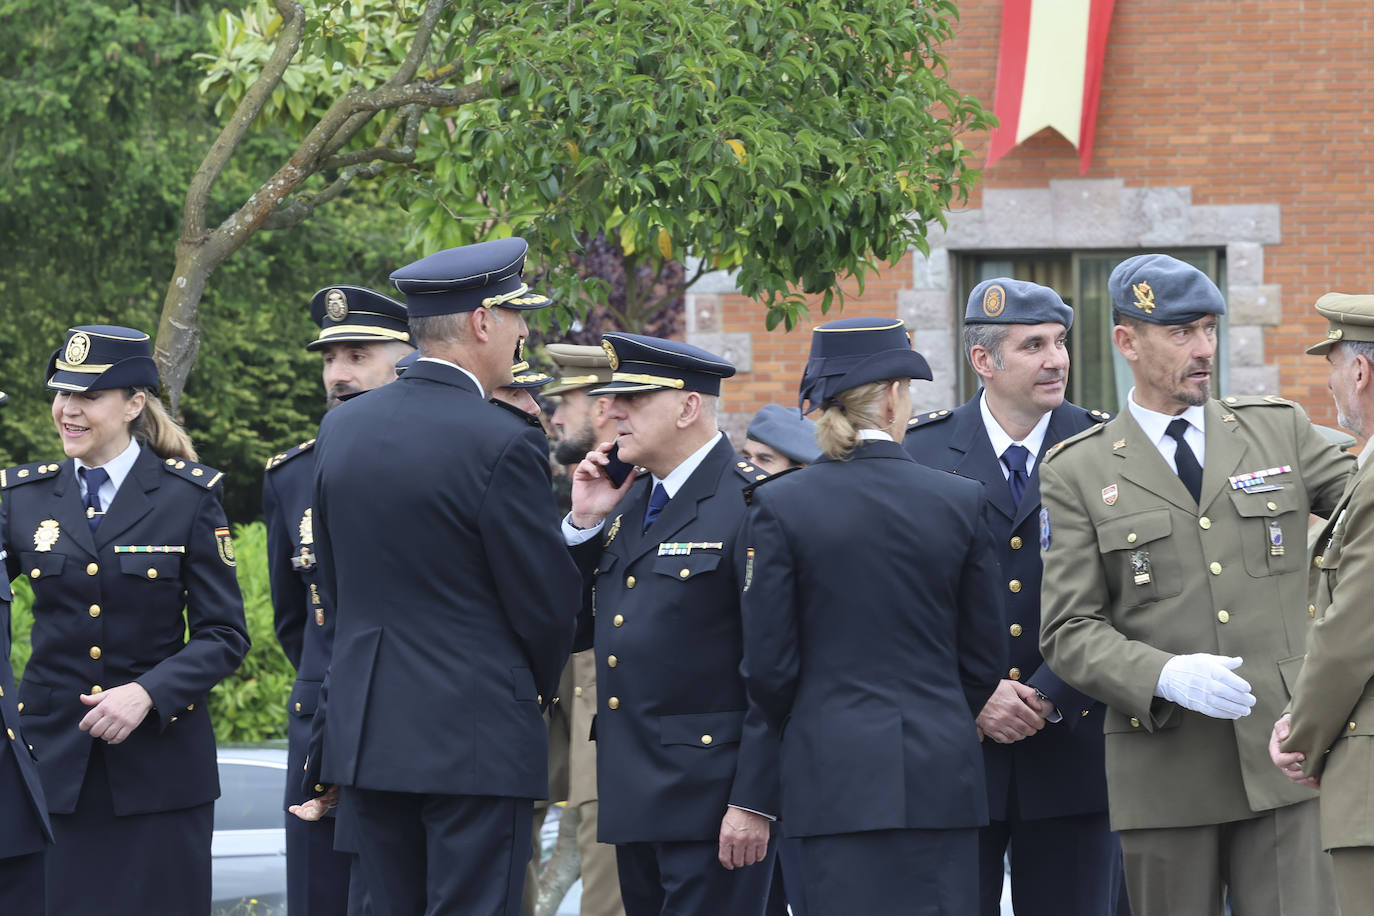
(106, 614)
(871, 611)
(678, 745)
(1060, 770)
(24, 824)
(439, 548)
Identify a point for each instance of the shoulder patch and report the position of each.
(1256, 400)
(1077, 437)
(283, 457)
(27, 473)
(758, 479)
(928, 417)
(198, 474)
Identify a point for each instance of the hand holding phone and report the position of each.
(616, 469)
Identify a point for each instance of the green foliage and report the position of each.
(250, 704)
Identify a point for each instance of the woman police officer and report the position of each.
(869, 615)
(117, 541)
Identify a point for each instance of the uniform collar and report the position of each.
(866, 435)
(1153, 423)
(1033, 442)
(678, 475)
(481, 392)
(118, 467)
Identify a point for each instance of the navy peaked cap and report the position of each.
(640, 363)
(1163, 290)
(484, 275)
(97, 357)
(1003, 300)
(785, 429)
(356, 314)
(855, 351)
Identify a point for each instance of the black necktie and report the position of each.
(657, 500)
(1189, 471)
(93, 477)
(1015, 457)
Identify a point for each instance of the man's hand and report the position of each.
(315, 808)
(117, 712)
(593, 494)
(1206, 684)
(743, 838)
(1011, 713)
(1290, 762)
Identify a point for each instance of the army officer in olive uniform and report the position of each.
(137, 615)
(1331, 729)
(1175, 591)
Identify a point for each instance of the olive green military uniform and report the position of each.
(1136, 572)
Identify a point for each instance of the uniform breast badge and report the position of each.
(748, 568)
(47, 534)
(1140, 567)
(685, 548)
(1257, 481)
(610, 535)
(307, 528)
(1275, 538)
(1044, 528)
(1109, 495)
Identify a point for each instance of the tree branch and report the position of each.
(358, 157)
(302, 208)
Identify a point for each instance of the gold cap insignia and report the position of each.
(1144, 296)
(336, 304)
(47, 534)
(994, 300)
(307, 528)
(78, 348)
(1333, 334)
(610, 354)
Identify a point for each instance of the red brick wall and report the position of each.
(1245, 102)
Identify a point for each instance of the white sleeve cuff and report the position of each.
(573, 536)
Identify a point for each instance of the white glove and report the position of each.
(1204, 683)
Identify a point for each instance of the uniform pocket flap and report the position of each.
(1266, 504)
(305, 697)
(36, 564)
(35, 698)
(150, 565)
(707, 729)
(1134, 530)
(685, 567)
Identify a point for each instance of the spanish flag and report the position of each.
(1049, 71)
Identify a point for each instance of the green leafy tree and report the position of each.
(793, 143)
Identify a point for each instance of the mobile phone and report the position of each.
(617, 470)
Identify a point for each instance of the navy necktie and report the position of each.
(1189, 471)
(1015, 457)
(93, 477)
(657, 500)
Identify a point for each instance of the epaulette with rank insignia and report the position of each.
(1077, 437)
(761, 479)
(196, 473)
(26, 473)
(1100, 416)
(1256, 400)
(749, 472)
(283, 457)
(925, 419)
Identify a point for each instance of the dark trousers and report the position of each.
(316, 875)
(21, 885)
(436, 855)
(1060, 866)
(786, 893)
(892, 873)
(687, 879)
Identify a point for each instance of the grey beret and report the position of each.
(1003, 300)
(1163, 290)
(785, 429)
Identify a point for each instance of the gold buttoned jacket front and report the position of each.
(1136, 572)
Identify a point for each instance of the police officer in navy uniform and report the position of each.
(870, 642)
(455, 601)
(1043, 746)
(362, 334)
(687, 776)
(137, 614)
(24, 828)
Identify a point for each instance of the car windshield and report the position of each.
(251, 796)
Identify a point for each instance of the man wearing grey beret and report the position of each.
(779, 438)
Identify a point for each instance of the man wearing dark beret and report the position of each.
(687, 773)
(1042, 739)
(437, 542)
(1175, 591)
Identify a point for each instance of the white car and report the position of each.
(249, 846)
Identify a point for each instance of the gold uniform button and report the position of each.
(1350, 725)
(706, 739)
(10, 732)
(96, 688)
(1223, 616)
(1215, 567)
(577, 691)
(1132, 538)
(171, 720)
(1083, 714)
(1316, 561)
(613, 703)
(152, 573)
(94, 610)
(191, 707)
(2, 691)
(92, 569)
(319, 788)
(629, 581)
(1204, 523)
(298, 707)
(684, 572)
(95, 651)
(539, 698)
(1016, 543)
(1232, 399)
(618, 620)
(1311, 610)
(21, 707)
(1014, 585)
(35, 573)
(1014, 674)
(612, 661)
(1272, 505)
(1135, 723)
(1016, 629)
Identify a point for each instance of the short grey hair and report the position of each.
(1354, 348)
(988, 336)
(437, 329)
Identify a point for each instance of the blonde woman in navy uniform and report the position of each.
(137, 614)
